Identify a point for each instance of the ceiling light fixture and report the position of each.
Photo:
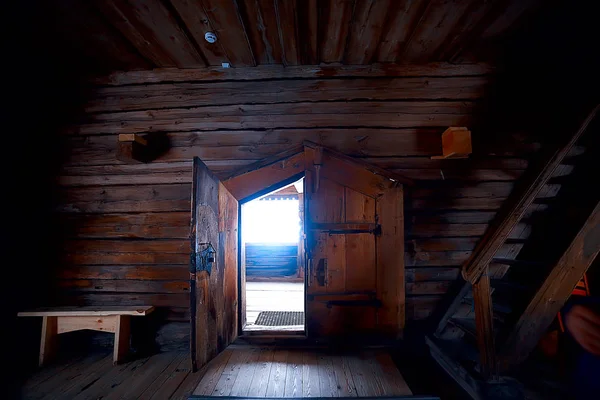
(210, 37)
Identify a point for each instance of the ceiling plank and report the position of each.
(157, 25)
(365, 30)
(260, 21)
(404, 17)
(105, 47)
(288, 30)
(308, 17)
(335, 25)
(145, 45)
(280, 72)
(437, 23)
(514, 11)
(476, 19)
(225, 19)
(193, 16)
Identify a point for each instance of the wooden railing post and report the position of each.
(482, 297)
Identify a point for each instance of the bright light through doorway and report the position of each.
(273, 259)
(271, 221)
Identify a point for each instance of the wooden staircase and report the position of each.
(496, 317)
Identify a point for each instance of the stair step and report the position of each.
(545, 201)
(467, 325)
(516, 241)
(518, 263)
(504, 284)
(497, 307)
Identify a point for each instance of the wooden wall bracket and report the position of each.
(132, 148)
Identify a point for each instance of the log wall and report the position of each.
(126, 226)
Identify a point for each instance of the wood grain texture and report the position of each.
(440, 18)
(165, 95)
(390, 263)
(261, 24)
(336, 16)
(153, 29)
(365, 31)
(521, 200)
(158, 75)
(196, 21)
(288, 26)
(225, 19)
(553, 292)
(484, 315)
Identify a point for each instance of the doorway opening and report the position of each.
(272, 259)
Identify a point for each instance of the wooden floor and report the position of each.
(244, 371)
(238, 371)
(162, 376)
(273, 296)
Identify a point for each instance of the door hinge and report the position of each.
(203, 260)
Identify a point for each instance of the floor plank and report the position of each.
(180, 383)
(293, 374)
(141, 378)
(244, 371)
(310, 375)
(344, 376)
(260, 380)
(241, 386)
(276, 386)
(231, 371)
(327, 380)
(393, 381)
(64, 377)
(162, 379)
(108, 382)
(86, 379)
(213, 374)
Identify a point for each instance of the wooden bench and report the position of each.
(68, 319)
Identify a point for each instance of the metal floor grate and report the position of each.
(280, 318)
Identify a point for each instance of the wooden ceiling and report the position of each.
(143, 34)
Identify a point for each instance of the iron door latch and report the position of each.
(203, 260)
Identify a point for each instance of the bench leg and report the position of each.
(122, 334)
(49, 338)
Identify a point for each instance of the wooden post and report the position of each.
(482, 297)
(122, 334)
(390, 260)
(554, 292)
(49, 338)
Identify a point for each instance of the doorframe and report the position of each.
(272, 172)
(242, 265)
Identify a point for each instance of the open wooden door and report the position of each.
(213, 266)
(355, 248)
